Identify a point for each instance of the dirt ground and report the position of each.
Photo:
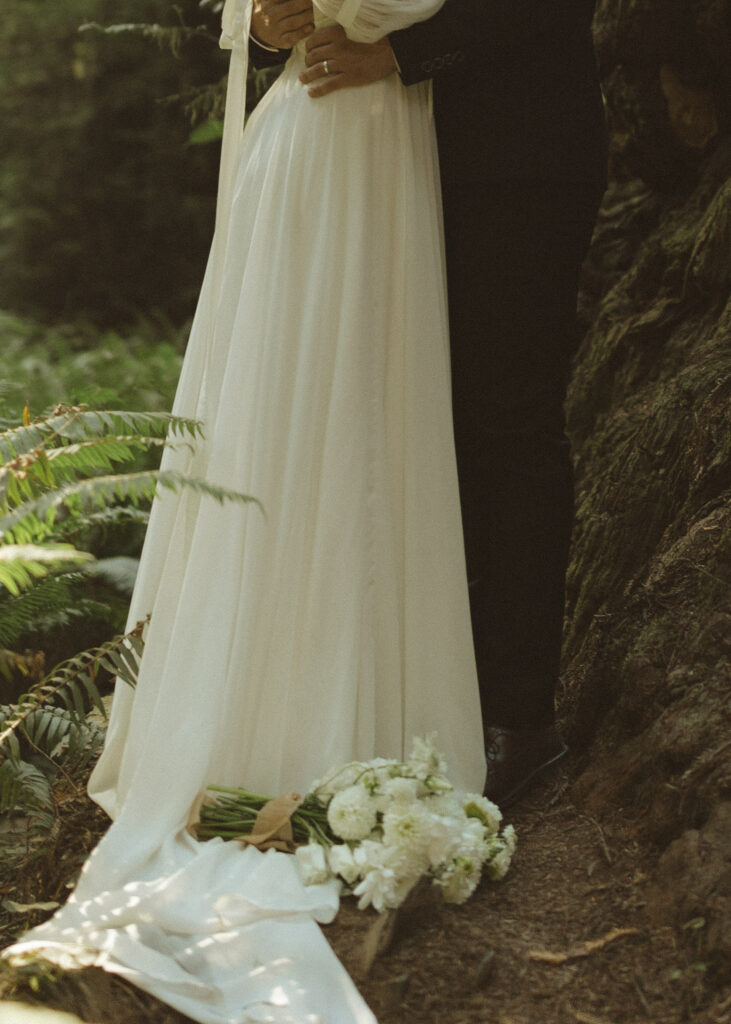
(572, 934)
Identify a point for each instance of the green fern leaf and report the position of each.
(23, 786)
(22, 564)
(11, 747)
(103, 490)
(78, 423)
(68, 682)
(124, 664)
(100, 453)
(49, 600)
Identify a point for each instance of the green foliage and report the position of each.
(208, 131)
(102, 209)
(106, 199)
(24, 785)
(22, 564)
(81, 364)
(51, 603)
(58, 475)
(78, 364)
(50, 471)
(75, 683)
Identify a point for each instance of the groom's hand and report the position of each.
(336, 62)
(281, 23)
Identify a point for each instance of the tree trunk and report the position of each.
(647, 676)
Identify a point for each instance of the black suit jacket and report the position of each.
(516, 90)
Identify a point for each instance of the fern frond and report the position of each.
(110, 612)
(54, 732)
(24, 477)
(42, 619)
(47, 728)
(78, 423)
(41, 468)
(99, 453)
(11, 748)
(28, 521)
(22, 564)
(74, 682)
(81, 746)
(23, 786)
(107, 517)
(48, 597)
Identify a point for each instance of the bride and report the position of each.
(332, 622)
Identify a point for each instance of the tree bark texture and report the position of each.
(647, 681)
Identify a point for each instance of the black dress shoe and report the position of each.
(516, 758)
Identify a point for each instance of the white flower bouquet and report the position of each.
(381, 826)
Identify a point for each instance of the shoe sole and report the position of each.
(515, 793)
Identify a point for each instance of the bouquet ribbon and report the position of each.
(272, 829)
(273, 826)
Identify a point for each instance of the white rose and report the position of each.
(312, 864)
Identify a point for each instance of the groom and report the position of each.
(521, 137)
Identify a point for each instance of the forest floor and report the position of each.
(571, 936)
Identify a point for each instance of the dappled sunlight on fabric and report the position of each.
(229, 936)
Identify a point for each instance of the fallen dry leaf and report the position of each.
(589, 1018)
(546, 956)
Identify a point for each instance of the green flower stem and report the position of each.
(235, 810)
(245, 793)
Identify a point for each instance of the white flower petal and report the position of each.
(352, 813)
(342, 862)
(312, 864)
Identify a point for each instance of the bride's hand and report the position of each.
(336, 62)
(281, 23)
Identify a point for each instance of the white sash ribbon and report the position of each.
(235, 23)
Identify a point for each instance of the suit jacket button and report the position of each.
(427, 66)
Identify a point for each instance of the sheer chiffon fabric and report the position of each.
(332, 622)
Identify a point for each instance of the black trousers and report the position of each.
(514, 251)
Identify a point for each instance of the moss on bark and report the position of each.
(647, 681)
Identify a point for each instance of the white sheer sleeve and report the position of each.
(366, 21)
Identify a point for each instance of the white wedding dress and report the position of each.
(333, 622)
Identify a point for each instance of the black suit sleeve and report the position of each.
(465, 32)
(262, 57)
